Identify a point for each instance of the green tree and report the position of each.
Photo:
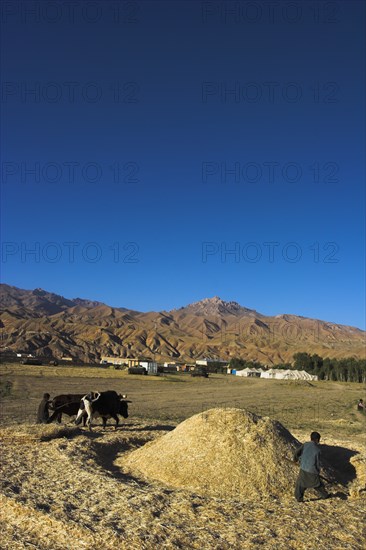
(302, 361)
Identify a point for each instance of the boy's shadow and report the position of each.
(339, 460)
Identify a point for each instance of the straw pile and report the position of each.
(358, 486)
(228, 453)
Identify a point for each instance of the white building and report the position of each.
(107, 359)
(208, 362)
(150, 366)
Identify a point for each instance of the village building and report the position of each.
(145, 362)
(208, 362)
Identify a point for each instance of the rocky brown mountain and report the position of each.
(43, 323)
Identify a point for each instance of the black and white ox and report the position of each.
(107, 404)
(65, 404)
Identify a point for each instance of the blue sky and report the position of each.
(157, 153)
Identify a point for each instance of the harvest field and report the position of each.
(63, 487)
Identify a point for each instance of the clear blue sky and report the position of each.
(144, 141)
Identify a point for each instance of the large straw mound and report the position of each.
(222, 452)
(358, 486)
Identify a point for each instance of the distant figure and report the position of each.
(43, 409)
(361, 406)
(309, 478)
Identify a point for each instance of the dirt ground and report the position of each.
(61, 486)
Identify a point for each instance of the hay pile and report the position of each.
(358, 486)
(228, 453)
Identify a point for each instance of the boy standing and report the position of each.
(309, 478)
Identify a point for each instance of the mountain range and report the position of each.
(43, 323)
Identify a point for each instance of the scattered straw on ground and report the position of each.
(61, 488)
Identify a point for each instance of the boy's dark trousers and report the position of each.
(307, 480)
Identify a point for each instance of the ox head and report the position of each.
(123, 408)
(92, 396)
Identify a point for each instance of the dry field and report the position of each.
(65, 488)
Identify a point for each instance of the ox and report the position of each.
(107, 404)
(65, 404)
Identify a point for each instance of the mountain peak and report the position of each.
(39, 292)
(217, 306)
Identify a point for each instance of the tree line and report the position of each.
(347, 369)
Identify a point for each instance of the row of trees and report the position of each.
(347, 369)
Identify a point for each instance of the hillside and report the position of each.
(44, 323)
